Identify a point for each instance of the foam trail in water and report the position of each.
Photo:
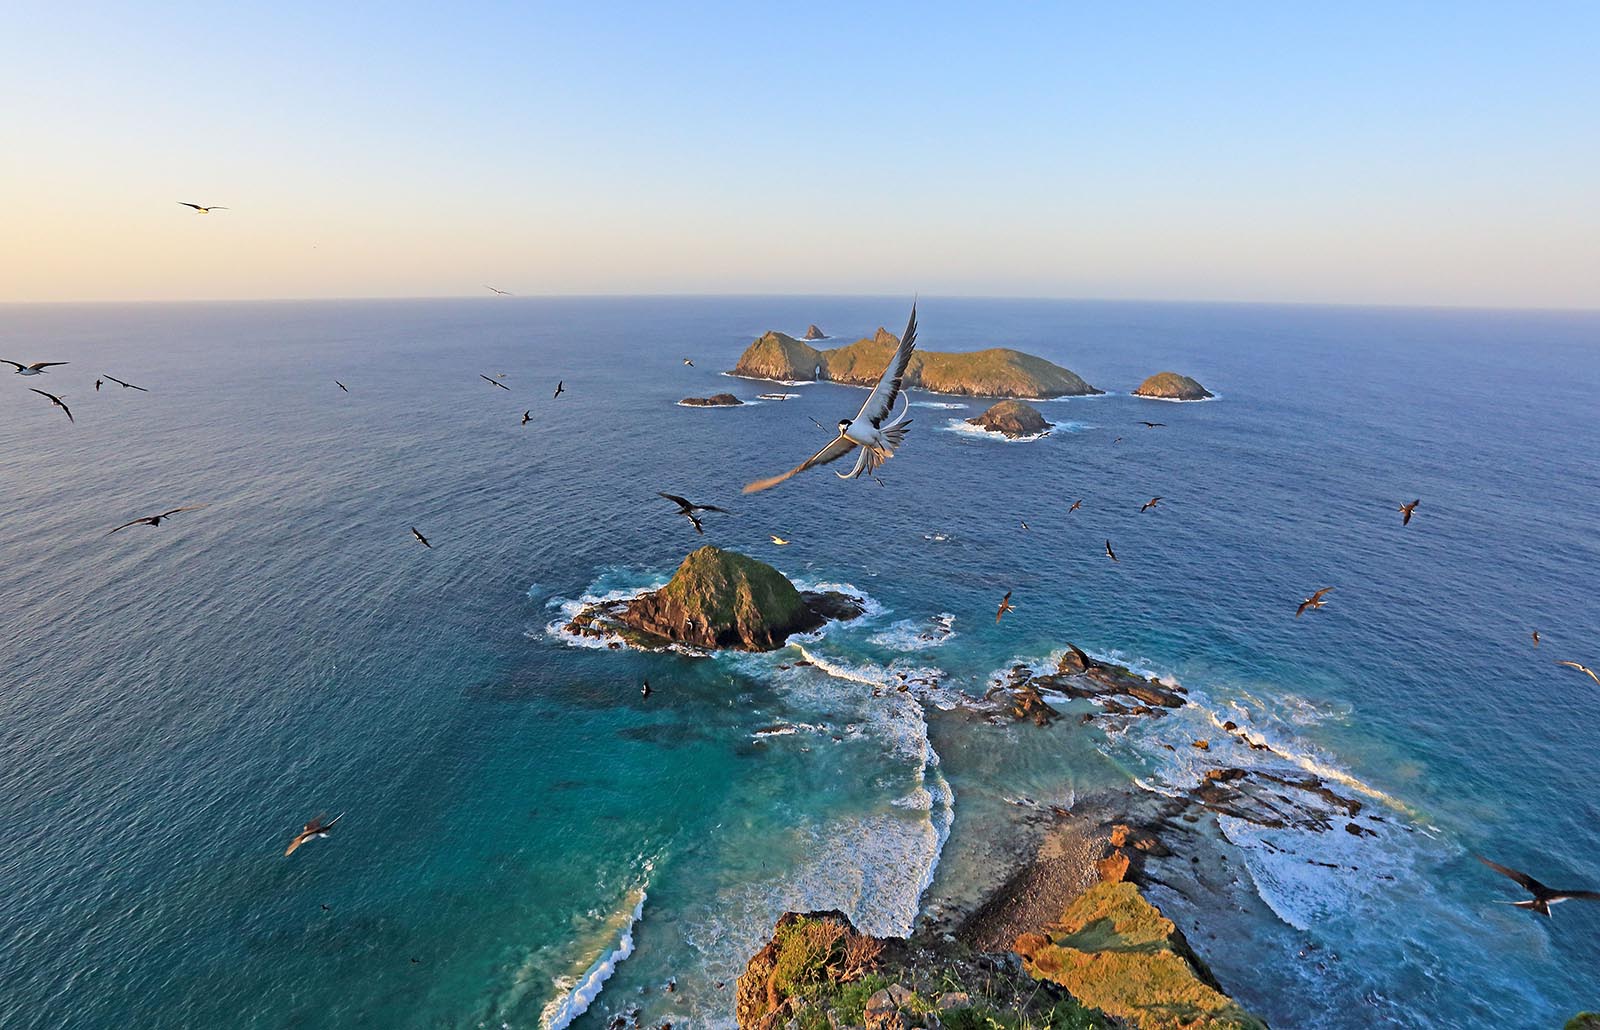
(577, 997)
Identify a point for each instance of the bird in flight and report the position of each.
(877, 442)
(341, 386)
(422, 538)
(686, 361)
(1147, 505)
(819, 425)
(1313, 602)
(1535, 638)
(1407, 509)
(1005, 606)
(1117, 440)
(57, 402)
(1024, 524)
(561, 388)
(203, 210)
(779, 541)
(1075, 506)
(97, 384)
(1543, 897)
(155, 520)
(491, 289)
(1581, 668)
(686, 506)
(314, 830)
(1152, 425)
(494, 382)
(527, 416)
(1087, 662)
(37, 368)
(125, 386)
(1109, 552)
(644, 691)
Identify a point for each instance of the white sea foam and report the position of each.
(780, 382)
(945, 405)
(578, 993)
(714, 407)
(965, 428)
(917, 634)
(1179, 400)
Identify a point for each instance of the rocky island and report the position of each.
(716, 599)
(814, 333)
(1170, 386)
(997, 372)
(716, 400)
(1013, 419)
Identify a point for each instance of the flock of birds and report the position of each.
(873, 438)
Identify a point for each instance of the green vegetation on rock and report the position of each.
(997, 372)
(1013, 419)
(1114, 950)
(1172, 386)
(721, 598)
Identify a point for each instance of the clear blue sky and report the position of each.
(1389, 153)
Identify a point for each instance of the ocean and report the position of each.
(528, 842)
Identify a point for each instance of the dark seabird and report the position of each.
(493, 382)
(1407, 509)
(1024, 524)
(57, 402)
(341, 386)
(1153, 425)
(97, 384)
(1109, 552)
(1535, 638)
(314, 830)
(1543, 897)
(1088, 663)
(1583, 669)
(35, 369)
(491, 289)
(686, 361)
(126, 386)
(645, 690)
(422, 538)
(1314, 601)
(685, 506)
(1005, 606)
(155, 520)
(1075, 506)
(1151, 503)
(561, 388)
(527, 416)
(203, 210)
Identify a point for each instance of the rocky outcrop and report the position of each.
(1116, 952)
(1014, 419)
(716, 400)
(813, 333)
(1170, 386)
(717, 599)
(997, 372)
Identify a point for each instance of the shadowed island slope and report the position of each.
(717, 599)
(996, 372)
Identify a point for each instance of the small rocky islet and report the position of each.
(717, 599)
(1170, 386)
(1014, 420)
(996, 372)
(716, 400)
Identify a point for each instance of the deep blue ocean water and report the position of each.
(177, 701)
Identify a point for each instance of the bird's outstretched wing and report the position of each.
(682, 502)
(185, 203)
(840, 446)
(48, 364)
(1088, 663)
(56, 401)
(125, 525)
(192, 507)
(881, 400)
(1528, 883)
(19, 365)
(130, 386)
(1583, 669)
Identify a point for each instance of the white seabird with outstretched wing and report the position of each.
(867, 431)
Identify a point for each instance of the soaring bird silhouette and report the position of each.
(422, 538)
(1087, 662)
(1109, 552)
(1313, 602)
(57, 401)
(341, 386)
(527, 416)
(1075, 506)
(1535, 638)
(1005, 606)
(777, 541)
(1024, 524)
(686, 506)
(686, 361)
(561, 388)
(877, 442)
(156, 520)
(97, 384)
(1147, 505)
(644, 691)
(1543, 897)
(203, 210)
(491, 289)
(316, 829)
(35, 369)
(1583, 669)
(126, 386)
(1406, 510)
(494, 382)
(1153, 425)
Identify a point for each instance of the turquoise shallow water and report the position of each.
(177, 701)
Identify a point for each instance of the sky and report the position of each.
(1365, 153)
